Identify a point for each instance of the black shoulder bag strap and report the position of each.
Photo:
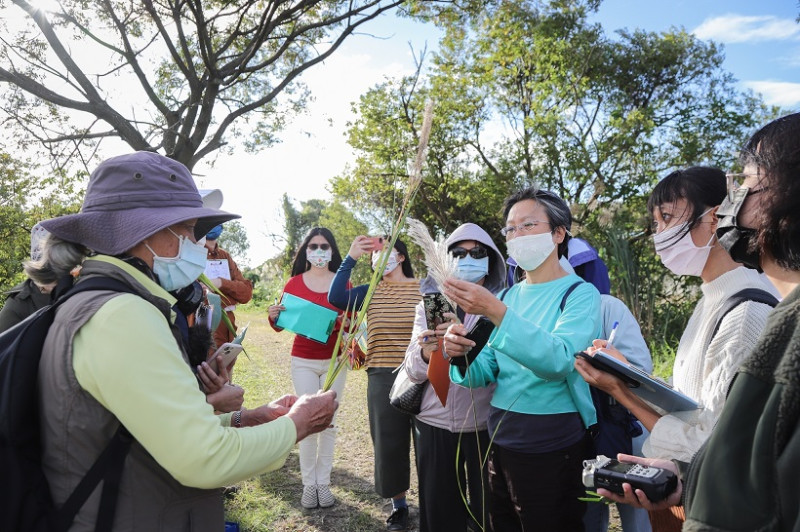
(567, 293)
(563, 299)
(757, 295)
(109, 465)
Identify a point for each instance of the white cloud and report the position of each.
(734, 28)
(783, 93)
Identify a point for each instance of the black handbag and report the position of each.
(406, 396)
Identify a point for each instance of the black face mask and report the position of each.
(736, 239)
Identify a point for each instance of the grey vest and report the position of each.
(76, 428)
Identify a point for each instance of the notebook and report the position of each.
(307, 319)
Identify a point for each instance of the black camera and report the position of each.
(604, 472)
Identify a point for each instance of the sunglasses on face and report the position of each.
(323, 247)
(477, 252)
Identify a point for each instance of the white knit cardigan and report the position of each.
(705, 374)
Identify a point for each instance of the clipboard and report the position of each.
(646, 386)
(307, 319)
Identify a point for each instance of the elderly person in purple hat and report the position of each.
(114, 358)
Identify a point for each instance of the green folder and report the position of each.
(306, 318)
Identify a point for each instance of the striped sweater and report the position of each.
(390, 320)
(390, 316)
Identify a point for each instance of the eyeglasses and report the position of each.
(522, 228)
(478, 252)
(323, 247)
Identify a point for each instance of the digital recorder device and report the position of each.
(604, 472)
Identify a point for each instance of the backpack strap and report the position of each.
(109, 465)
(563, 299)
(757, 295)
(567, 293)
(108, 468)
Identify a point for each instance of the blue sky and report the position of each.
(761, 38)
(761, 45)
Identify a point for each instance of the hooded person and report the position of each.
(457, 428)
(115, 359)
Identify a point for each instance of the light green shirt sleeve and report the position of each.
(126, 357)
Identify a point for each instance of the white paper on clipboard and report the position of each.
(218, 269)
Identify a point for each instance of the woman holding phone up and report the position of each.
(390, 318)
(313, 268)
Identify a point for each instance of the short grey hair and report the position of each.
(58, 258)
(558, 213)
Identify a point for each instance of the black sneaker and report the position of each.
(398, 520)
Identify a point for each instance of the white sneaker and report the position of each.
(326, 498)
(309, 498)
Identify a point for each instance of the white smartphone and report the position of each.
(226, 354)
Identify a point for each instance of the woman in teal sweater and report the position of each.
(541, 408)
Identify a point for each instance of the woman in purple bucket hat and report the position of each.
(116, 359)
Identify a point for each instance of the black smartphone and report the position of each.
(479, 334)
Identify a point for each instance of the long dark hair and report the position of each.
(401, 248)
(701, 186)
(301, 263)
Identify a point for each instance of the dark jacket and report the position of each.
(23, 300)
(747, 476)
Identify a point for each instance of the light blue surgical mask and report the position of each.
(182, 270)
(472, 270)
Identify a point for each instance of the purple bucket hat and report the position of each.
(131, 197)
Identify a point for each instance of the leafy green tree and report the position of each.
(532, 93)
(455, 187)
(25, 200)
(233, 239)
(182, 77)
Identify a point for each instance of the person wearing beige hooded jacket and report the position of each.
(440, 430)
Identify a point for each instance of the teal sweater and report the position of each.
(530, 355)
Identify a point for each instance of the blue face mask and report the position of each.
(182, 270)
(472, 270)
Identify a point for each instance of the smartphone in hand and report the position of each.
(377, 242)
(435, 307)
(226, 354)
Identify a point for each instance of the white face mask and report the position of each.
(530, 251)
(391, 262)
(682, 256)
(319, 258)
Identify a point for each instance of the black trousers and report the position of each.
(449, 472)
(391, 432)
(537, 492)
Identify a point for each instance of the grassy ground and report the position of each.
(271, 502)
